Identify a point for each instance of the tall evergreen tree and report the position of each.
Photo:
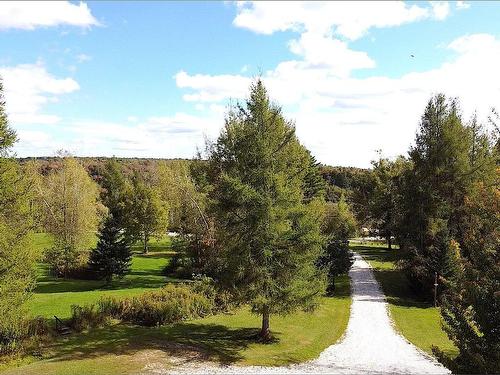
(447, 159)
(432, 192)
(112, 256)
(314, 183)
(471, 304)
(268, 238)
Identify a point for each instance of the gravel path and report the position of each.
(370, 345)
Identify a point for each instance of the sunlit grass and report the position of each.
(223, 338)
(54, 296)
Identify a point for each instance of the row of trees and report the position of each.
(252, 215)
(441, 204)
(73, 207)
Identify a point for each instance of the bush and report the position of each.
(17, 337)
(86, 316)
(170, 304)
(68, 262)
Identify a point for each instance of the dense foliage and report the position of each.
(149, 212)
(338, 226)
(113, 255)
(384, 200)
(471, 305)
(355, 185)
(267, 237)
(72, 211)
(170, 304)
(17, 256)
(447, 159)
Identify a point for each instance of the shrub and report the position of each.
(170, 304)
(67, 262)
(86, 316)
(16, 337)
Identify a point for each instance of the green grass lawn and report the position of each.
(126, 349)
(225, 338)
(417, 320)
(54, 296)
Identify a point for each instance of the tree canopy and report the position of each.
(268, 237)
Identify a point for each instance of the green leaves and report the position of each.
(260, 177)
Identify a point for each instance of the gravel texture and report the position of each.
(370, 344)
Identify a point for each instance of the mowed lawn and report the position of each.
(54, 296)
(224, 338)
(419, 322)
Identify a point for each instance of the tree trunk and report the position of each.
(265, 333)
(389, 242)
(145, 250)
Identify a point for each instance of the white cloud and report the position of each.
(324, 52)
(160, 136)
(81, 58)
(440, 9)
(29, 15)
(348, 19)
(28, 88)
(372, 113)
(462, 5)
(209, 89)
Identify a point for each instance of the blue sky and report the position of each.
(153, 79)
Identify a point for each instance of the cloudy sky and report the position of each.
(154, 79)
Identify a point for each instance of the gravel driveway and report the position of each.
(370, 345)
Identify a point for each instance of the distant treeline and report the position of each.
(352, 183)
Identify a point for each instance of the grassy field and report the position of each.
(225, 338)
(126, 349)
(418, 321)
(54, 296)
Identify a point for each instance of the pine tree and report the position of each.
(268, 238)
(471, 304)
(432, 193)
(112, 256)
(314, 183)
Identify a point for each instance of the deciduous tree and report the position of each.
(17, 255)
(384, 200)
(72, 212)
(338, 226)
(150, 213)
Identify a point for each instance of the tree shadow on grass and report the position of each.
(377, 253)
(155, 255)
(207, 341)
(75, 285)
